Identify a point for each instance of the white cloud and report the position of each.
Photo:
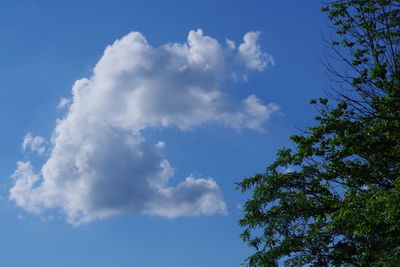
(188, 198)
(100, 164)
(160, 145)
(252, 114)
(64, 102)
(22, 192)
(231, 44)
(251, 55)
(35, 144)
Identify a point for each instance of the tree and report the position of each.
(334, 200)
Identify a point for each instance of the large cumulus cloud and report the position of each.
(99, 163)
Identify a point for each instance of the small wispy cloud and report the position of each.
(160, 145)
(36, 144)
(64, 102)
(251, 55)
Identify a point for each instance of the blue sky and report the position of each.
(102, 178)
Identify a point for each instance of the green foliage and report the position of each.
(335, 199)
